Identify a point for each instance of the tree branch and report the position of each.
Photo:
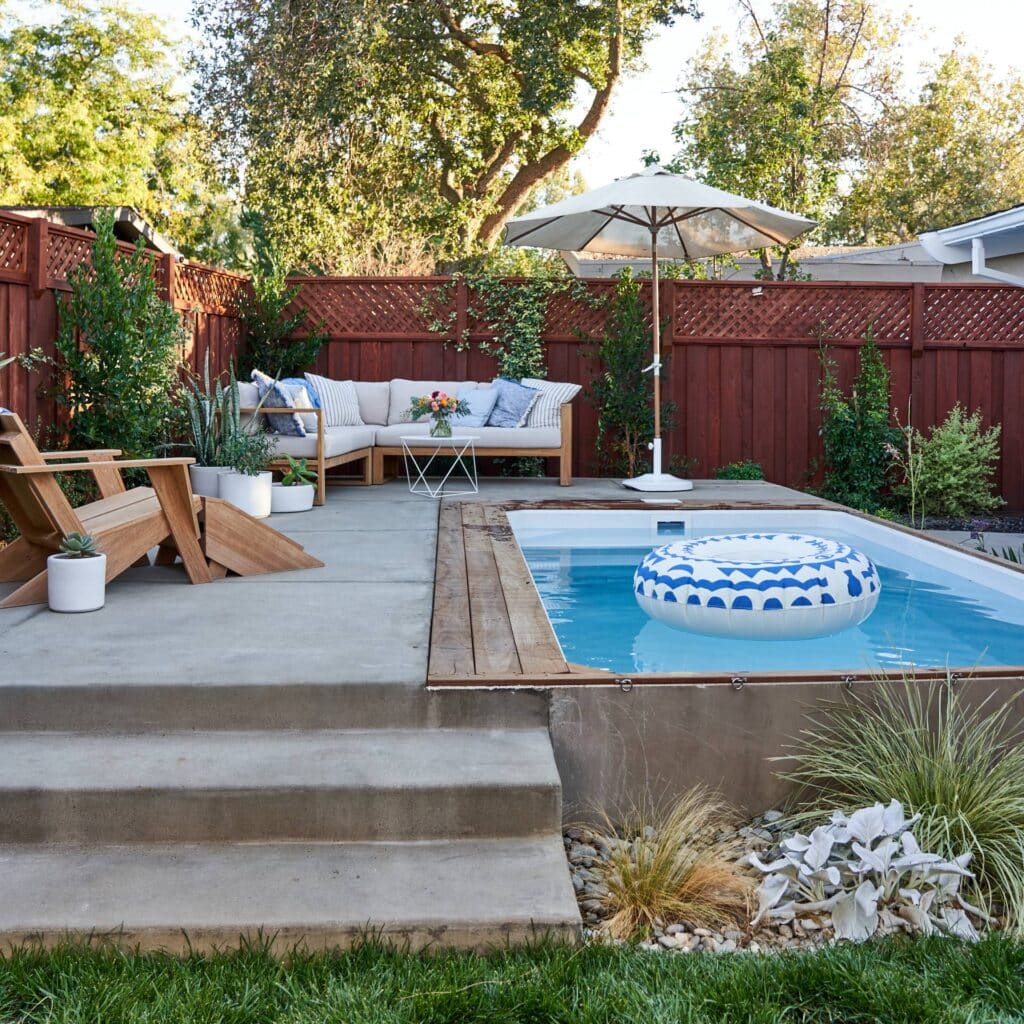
(532, 174)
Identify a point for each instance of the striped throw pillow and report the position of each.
(545, 411)
(338, 399)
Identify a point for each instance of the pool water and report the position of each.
(938, 608)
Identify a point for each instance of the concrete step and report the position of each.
(140, 707)
(465, 893)
(286, 785)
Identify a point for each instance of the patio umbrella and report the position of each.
(658, 214)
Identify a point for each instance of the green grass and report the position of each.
(934, 980)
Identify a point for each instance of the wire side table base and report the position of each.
(460, 448)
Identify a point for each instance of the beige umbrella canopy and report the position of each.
(658, 214)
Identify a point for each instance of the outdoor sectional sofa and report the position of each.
(376, 443)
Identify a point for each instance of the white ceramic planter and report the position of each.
(205, 480)
(76, 584)
(251, 494)
(294, 498)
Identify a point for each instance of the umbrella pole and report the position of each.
(656, 480)
(656, 336)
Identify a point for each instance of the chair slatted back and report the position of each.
(38, 506)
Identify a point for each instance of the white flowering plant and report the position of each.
(865, 872)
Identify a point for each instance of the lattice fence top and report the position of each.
(66, 249)
(360, 307)
(13, 246)
(790, 312)
(208, 289)
(959, 313)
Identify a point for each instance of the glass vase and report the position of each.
(441, 427)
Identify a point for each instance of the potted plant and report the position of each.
(247, 483)
(76, 577)
(208, 409)
(297, 488)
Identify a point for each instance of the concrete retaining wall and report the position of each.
(613, 748)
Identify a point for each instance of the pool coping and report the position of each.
(489, 628)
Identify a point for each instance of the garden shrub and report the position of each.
(958, 764)
(957, 460)
(621, 390)
(855, 429)
(118, 350)
(270, 343)
(743, 470)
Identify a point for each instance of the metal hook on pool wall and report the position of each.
(848, 681)
(737, 682)
(625, 685)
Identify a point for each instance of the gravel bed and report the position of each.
(586, 847)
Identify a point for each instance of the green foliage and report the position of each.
(927, 981)
(78, 545)
(744, 470)
(944, 754)
(118, 346)
(208, 405)
(855, 429)
(621, 390)
(952, 471)
(398, 137)
(91, 112)
(271, 344)
(298, 473)
(248, 451)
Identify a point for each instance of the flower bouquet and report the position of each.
(440, 407)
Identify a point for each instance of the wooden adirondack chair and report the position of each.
(210, 536)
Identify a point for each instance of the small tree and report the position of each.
(855, 429)
(118, 350)
(271, 345)
(621, 390)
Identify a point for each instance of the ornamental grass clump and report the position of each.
(680, 865)
(959, 765)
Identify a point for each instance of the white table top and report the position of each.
(411, 439)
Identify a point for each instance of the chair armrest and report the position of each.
(96, 453)
(71, 467)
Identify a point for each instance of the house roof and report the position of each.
(1002, 234)
(128, 224)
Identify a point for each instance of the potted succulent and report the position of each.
(208, 406)
(297, 489)
(247, 483)
(76, 577)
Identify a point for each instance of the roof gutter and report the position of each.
(979, 268)
(1000, 234)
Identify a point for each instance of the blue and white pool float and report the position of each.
(758, 586)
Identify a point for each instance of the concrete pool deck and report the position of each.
(264, 753)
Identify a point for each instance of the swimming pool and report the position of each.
(939, 607)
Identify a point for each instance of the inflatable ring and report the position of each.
(758, 586)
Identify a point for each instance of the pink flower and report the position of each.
(434, 406)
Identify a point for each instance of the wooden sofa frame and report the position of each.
(563, 453)
(320, 462)
(374, 470)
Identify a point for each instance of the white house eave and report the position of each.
(1002, 234)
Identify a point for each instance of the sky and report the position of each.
(645, 106)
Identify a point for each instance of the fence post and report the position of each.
(917, 319)
(38, 241)
(461, 326)
(168, 272)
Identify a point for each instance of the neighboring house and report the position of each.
(128, 225)
(944, 255)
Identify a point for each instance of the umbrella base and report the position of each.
(658, 482)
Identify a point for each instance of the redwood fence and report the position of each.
(743, 358)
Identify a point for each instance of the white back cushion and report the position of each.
(338, 400)
(374, 400)
(404, 391)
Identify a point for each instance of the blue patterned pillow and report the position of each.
(301, 382)
(513, 404)
(273, 396)
(479, 402)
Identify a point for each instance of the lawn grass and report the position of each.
(933, 980)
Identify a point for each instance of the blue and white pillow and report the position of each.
(274, 396)
(301, 382)
(547, 411)
(479, 401)
(513, 404)
(338, 399)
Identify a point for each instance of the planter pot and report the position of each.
(205, 480)
(76, 584)
(249, 493)
(294, 498)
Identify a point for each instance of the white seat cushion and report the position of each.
(487, 437)
(337, 441)
(404, 391)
